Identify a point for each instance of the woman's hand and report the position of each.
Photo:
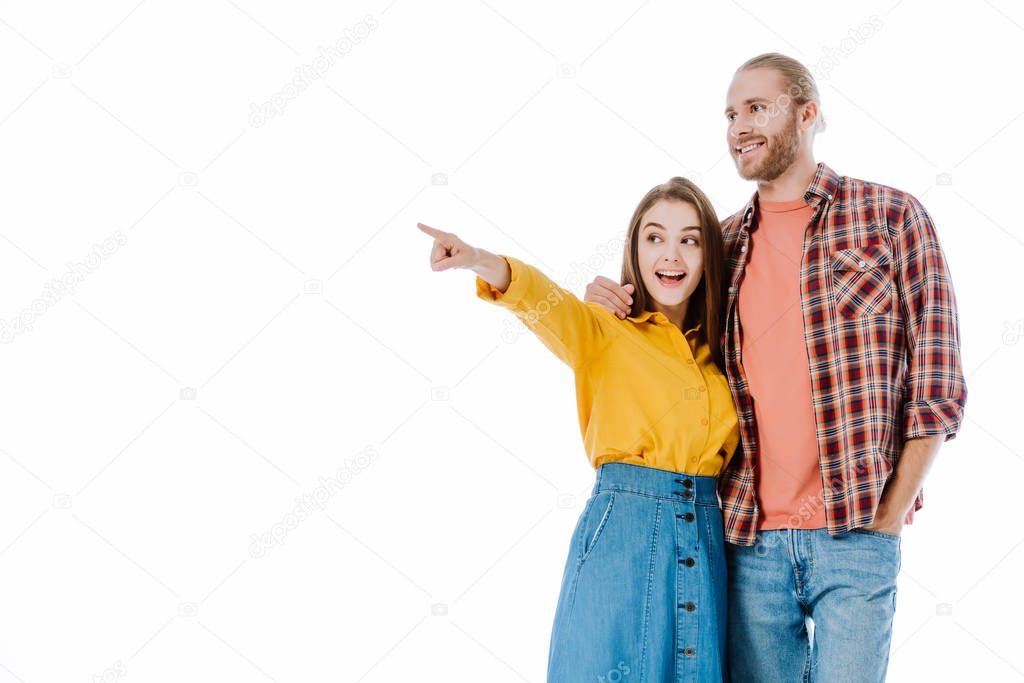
(449, 251)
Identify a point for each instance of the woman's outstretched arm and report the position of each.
(573, 330)
(451, 252)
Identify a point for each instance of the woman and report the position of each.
(643, 593)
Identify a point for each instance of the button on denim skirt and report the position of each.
(643, 595)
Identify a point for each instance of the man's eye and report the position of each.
(753, 107)
(730, 117)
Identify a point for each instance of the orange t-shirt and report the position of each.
(775, 361)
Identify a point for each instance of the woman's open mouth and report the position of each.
(670, 278)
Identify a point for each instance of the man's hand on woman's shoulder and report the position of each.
(611, 295)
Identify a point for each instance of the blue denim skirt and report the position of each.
(643, 596)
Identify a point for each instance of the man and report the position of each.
(842, 351)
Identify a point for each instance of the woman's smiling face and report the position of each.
(669, 255)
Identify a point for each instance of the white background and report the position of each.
(265, 316)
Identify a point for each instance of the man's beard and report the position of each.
(782, 150)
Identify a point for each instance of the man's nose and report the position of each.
(740, 127)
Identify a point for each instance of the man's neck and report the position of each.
(791, 184)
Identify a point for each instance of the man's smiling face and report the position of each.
(762, 134)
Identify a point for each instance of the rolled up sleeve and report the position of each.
(935, 391)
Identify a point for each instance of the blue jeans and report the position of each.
(845, 584)
(643, 597)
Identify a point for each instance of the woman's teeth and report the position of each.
(670, 278)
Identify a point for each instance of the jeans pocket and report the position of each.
(715, 533)
(878, 534)
(592, 523)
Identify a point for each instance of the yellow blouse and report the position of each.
(646, 393)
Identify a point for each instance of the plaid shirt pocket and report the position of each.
(862, 283)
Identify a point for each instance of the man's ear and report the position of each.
(810, 117)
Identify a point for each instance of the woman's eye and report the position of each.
(691, 240)
(651, 238)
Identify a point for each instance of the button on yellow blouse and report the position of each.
(646, 393)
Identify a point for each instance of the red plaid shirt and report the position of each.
(882, 339)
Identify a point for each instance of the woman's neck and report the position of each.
(675, 314)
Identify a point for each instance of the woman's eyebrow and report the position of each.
(652, 224)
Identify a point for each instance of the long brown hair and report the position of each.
(705, 304)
